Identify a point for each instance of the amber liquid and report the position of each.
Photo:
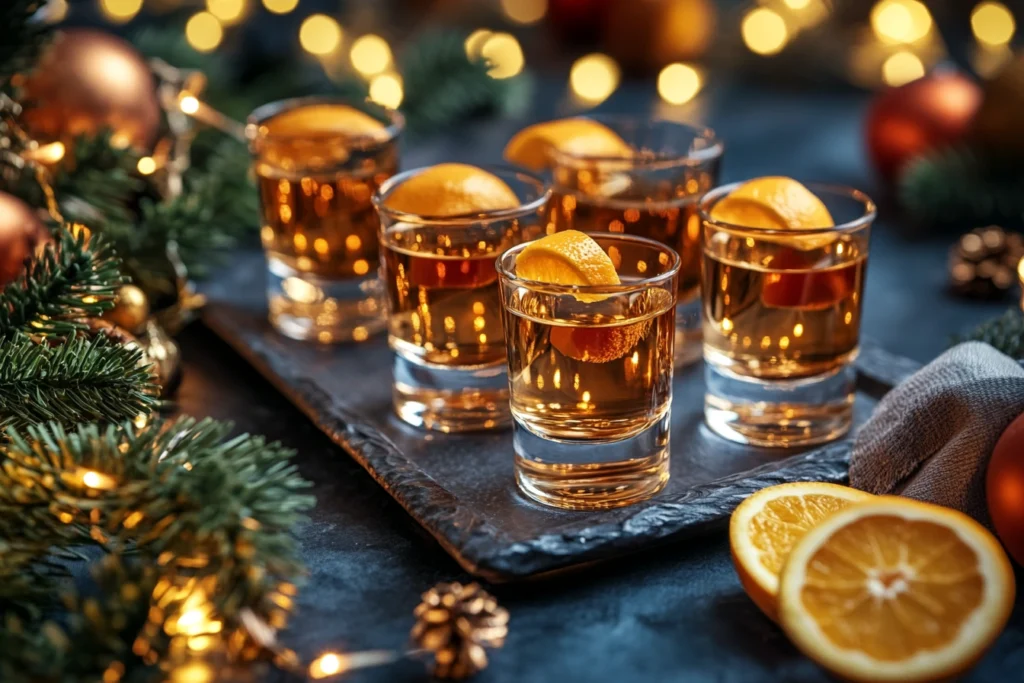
(674, 223)
(322, 224)
(603, 378)
(783, 312)
(444, 303)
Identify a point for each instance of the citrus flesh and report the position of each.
(765, 527)
(449, 190)
(326, 119)
(531, 147)
(896, 590)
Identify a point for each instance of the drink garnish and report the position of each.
(449, 190)
(531, 147)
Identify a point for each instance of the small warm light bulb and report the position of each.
(329, 664)
(146, 165)
(900, 21)
(503, 52)
(120, 11)
(189, 104)
(524, 11)
(203, 32)
(387, 89)
(797, 4)
(320, 34)
(47, 154)
(902, 67)
(370, 55)
(594, 77)
(764, 31)
(993, 24)
(475, 42)
(99, 481)
(679, 83)
(280, 6)
(227, 11)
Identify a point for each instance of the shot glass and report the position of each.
(444, 310)
(318, 225)
(782, 311)
(590, 376)
(652, 194)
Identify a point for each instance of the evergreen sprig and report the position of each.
(1005, 333)
(73, 279)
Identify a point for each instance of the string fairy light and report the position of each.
(370, 55)
(594, 77)
(679, 83)
(320, 34)
(387, 89)
(902, 67)
(227, 11)
(475, 42)
(120, 11)
(993, 24)
(524, 11)
(280, 6)
(764, 31)
(900, 21)
(204, 32)
(505, 55)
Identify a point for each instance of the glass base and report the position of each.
(780, 413)
(589, 475)
(307, 307)
(451, 399)
(689, 341)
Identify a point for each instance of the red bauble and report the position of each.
(928, 113)
(21, 234)
(89, 80)
(1004, 489)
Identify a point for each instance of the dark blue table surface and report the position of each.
(676, 613)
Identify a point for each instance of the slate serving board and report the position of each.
(460, 487)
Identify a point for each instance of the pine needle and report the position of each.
(1005, 333)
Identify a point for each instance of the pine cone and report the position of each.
(984, 262)
(456, 623)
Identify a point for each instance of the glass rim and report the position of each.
(552, 288)
(649, 161)
(263, 113)
(524, 209)
(708, 200)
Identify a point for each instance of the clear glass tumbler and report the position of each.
(782, 311)
(318, 225)
(590, 375)
(652, 194)
(444, 311)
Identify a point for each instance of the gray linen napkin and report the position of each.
(930, 438)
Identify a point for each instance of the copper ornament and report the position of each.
(21, 235)
(86, 81)
(457, 623)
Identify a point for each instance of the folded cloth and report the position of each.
(931, 437)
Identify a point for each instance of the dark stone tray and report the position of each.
(460, 487)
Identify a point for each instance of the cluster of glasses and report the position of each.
(582, 373)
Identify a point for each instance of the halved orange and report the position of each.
(896, 590)
(531, 147)
(766, 526)
(447, 190)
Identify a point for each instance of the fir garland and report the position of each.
(1005, 333)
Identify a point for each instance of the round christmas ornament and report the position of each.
(645, 35)
(1005, 489)
(983, 264)
(130, 311)
(21, 234)
(928, 113)
(87, 81)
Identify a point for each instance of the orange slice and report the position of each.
(896, 590)
(776, 203)
(447, 190)
(531, 147)
(326, 119)
(765, 526)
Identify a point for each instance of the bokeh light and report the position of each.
(993, 23)
(226, 11)
(797, 4)
(764, 31)
(146, 165)
(901, 21)
(594, 77)
(387, 89)
(120, 11)
(902, 67)
(370, 55)
(204, 32)
(280, 6)
(524, 11)
(319, 34)
(504, 54)
(679, 83)
(475, 42)
(56, 10)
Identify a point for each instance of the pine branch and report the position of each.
(958, 188)
(100, 176)
(76, 381)
(72, 279)
(1005, 333)
(23, 37)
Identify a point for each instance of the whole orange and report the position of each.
(1005, 489)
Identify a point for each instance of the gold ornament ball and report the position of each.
(131, 309)
(645, 35)
(21, 235)
(87, 81)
